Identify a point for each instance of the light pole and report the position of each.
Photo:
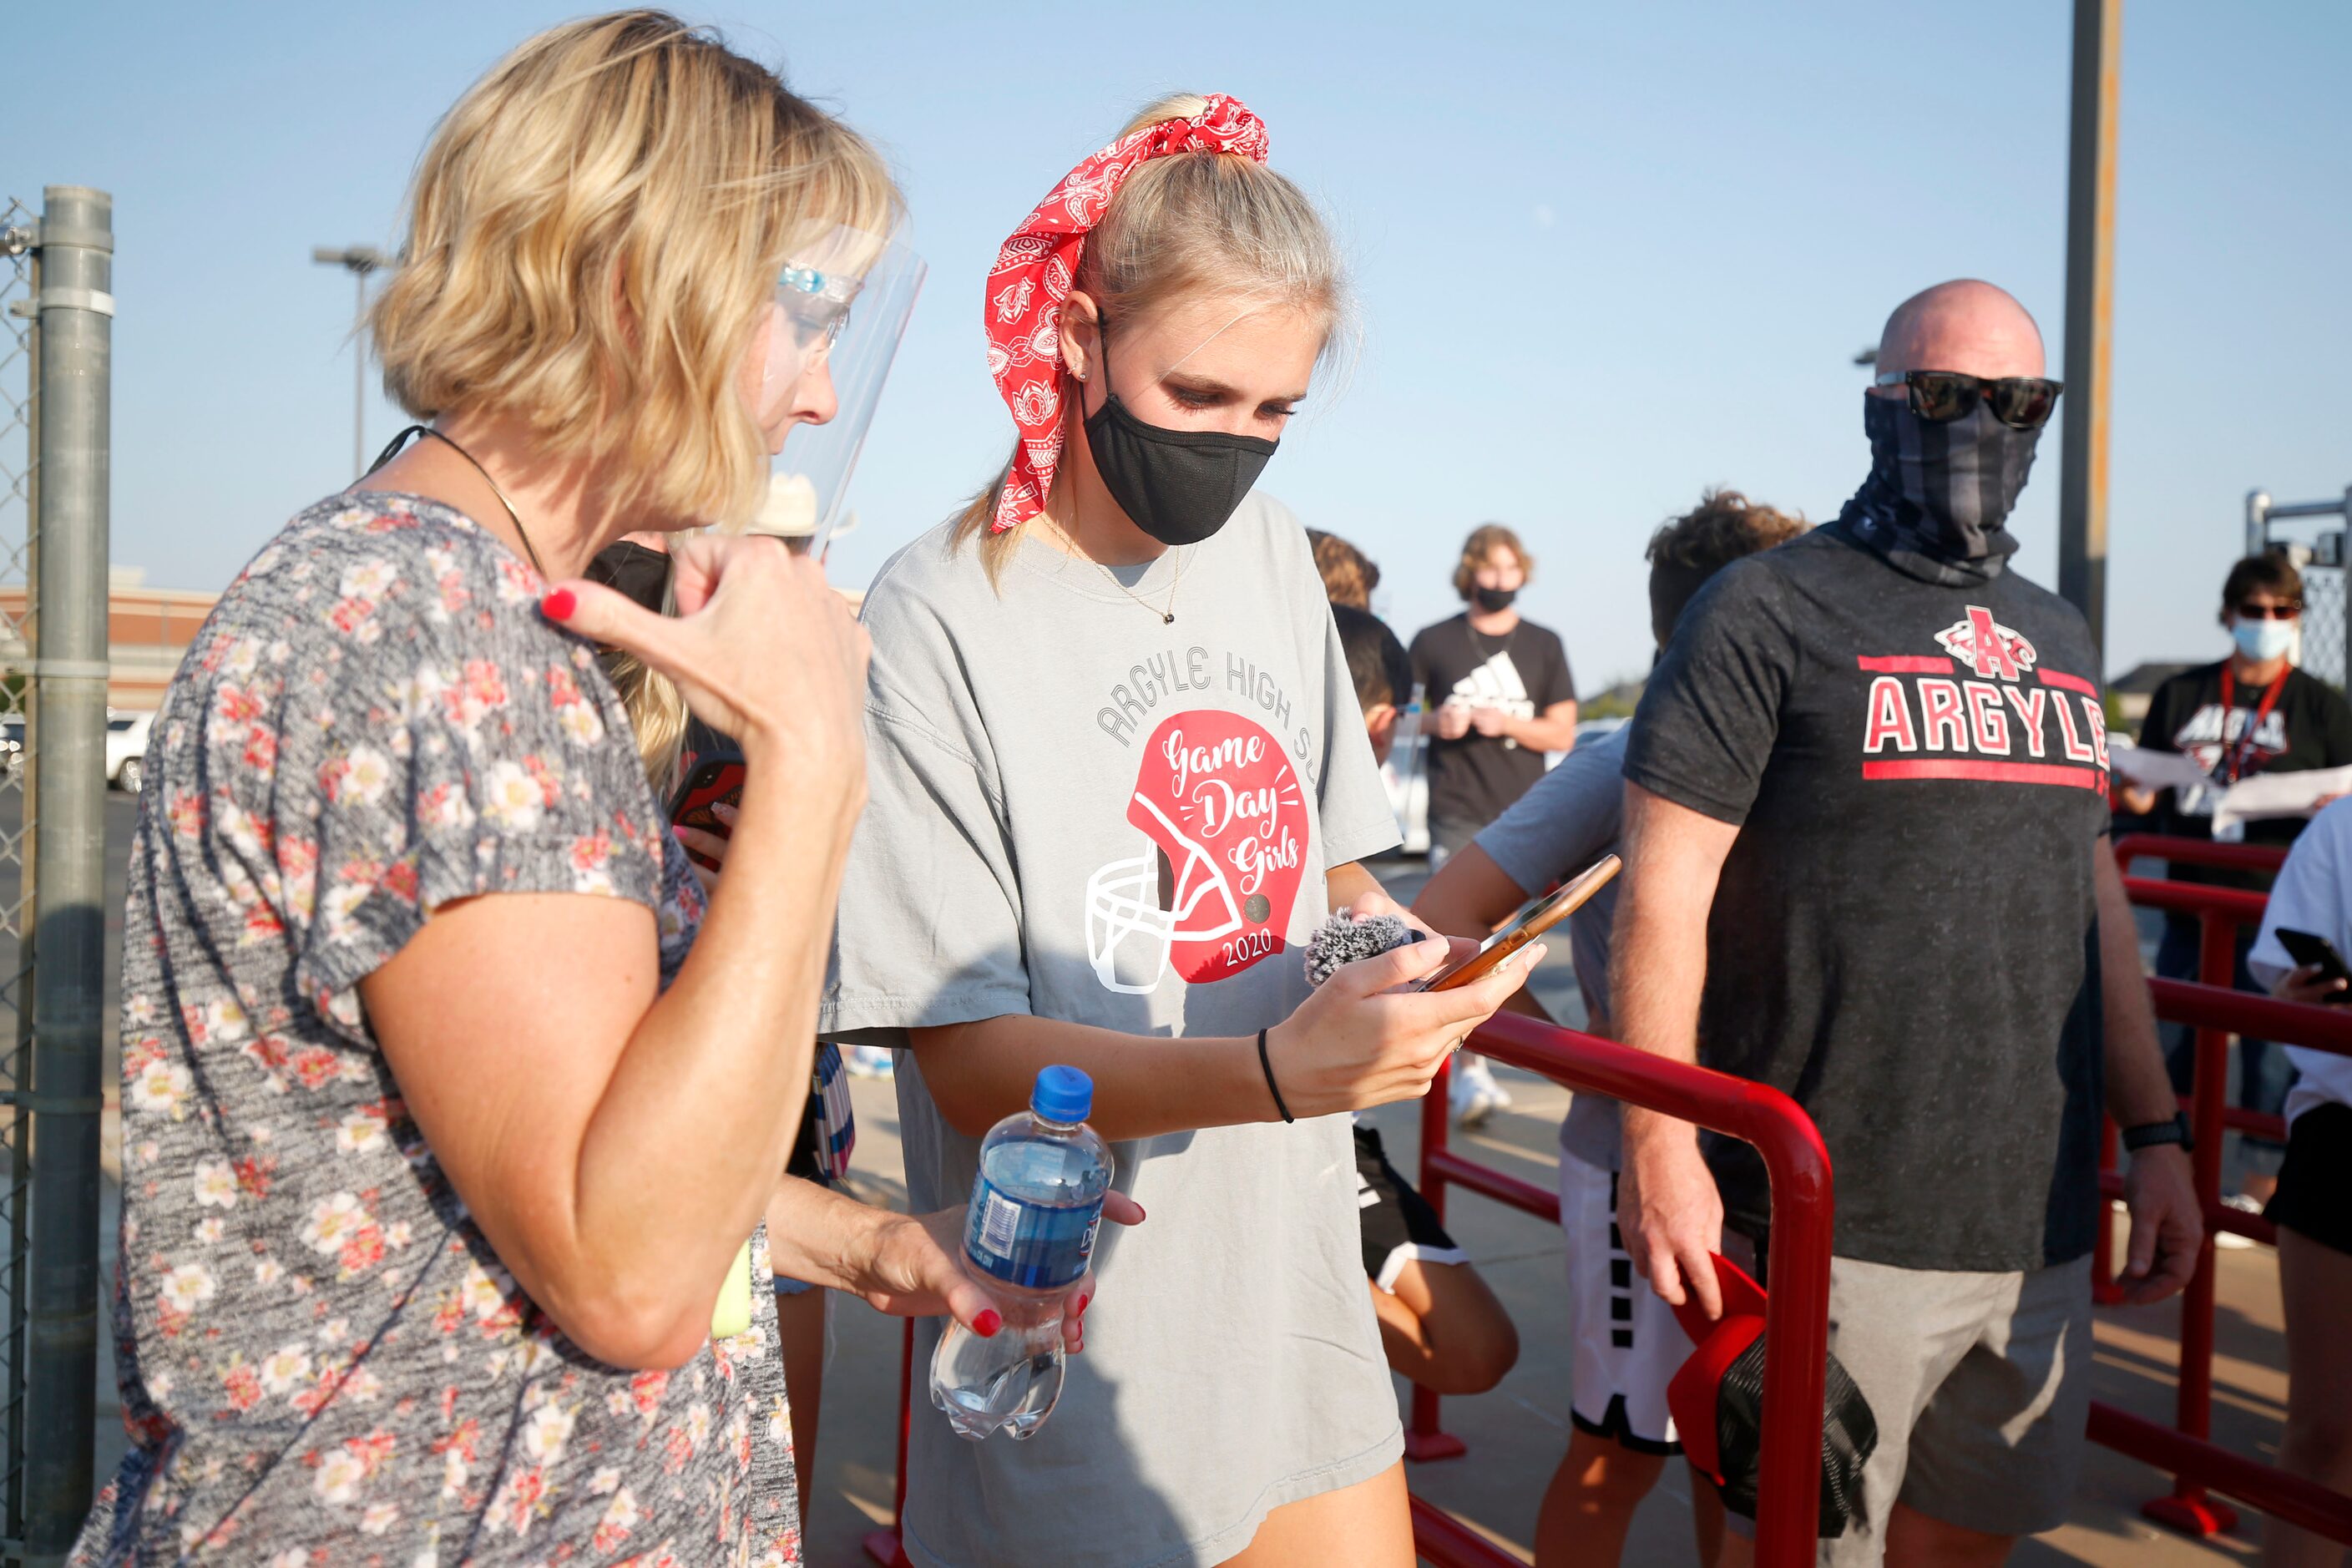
(2090, 331)
(359, 260)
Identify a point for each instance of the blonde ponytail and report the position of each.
(657, 716)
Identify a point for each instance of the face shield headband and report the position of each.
(839, 309)
(1032, 278)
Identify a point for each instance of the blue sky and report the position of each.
(1606, 254)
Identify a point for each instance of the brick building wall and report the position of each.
(148, 631)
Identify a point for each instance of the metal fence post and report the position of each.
(76, 311)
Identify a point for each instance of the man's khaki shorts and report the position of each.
(1981, 1386)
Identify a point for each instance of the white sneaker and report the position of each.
(2231, 1239)
(1476, 1095)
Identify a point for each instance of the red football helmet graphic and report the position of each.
(1987, 647)
(1221, 805)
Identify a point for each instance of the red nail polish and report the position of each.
(558, 604)
(987, 1323)
(1084, 1302)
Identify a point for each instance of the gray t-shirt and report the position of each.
(1078, 812)
(1570, 818)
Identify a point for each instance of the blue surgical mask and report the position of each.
(2262, 641)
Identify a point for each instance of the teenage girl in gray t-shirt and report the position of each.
(1117, 777)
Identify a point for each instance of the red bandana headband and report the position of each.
(1032, 278)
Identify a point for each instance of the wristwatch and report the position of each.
(2148, 1134)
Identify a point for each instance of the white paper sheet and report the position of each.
(2275, 795)
(2155, 770)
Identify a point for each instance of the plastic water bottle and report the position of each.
(1028, 1238)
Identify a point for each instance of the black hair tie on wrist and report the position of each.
(1267, 1066)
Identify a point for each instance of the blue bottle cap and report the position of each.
(1062, 1094)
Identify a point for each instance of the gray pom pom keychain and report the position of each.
(1343, 938)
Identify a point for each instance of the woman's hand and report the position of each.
(910, 1266)
(2309, 984)
(1360, 1041)
(760, 647)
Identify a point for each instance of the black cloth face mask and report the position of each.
(1939, 493)
(1493, 599)
(1178, 485)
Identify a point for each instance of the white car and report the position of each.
(126, 748)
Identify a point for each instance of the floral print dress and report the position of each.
(321, 1360)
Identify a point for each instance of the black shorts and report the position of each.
(1399, 1225)
(2315, 1186)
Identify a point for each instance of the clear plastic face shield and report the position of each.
(838, 311)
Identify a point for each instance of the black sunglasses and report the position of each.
(2285, 611)
(2019, 402)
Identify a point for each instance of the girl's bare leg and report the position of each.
(800, 1323)
(2315, 1282)
(1367, 1525)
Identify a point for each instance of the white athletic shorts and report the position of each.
(1627, 1346)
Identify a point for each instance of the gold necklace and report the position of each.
(1167, 615)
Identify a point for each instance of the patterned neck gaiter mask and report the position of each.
(1939, 494)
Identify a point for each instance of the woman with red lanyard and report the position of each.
(1117, 777)
(2253, 712)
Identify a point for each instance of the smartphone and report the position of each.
(1536, 916)
(716, 780)
(2307, 950)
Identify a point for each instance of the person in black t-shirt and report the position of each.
(1867, 864)
(1497, 691)
(1495, 696)
(2251, 713)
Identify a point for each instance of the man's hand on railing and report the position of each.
(2166, 1225)
(1669, 1214)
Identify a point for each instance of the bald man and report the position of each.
(1865, 822)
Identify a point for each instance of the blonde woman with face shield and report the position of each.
(448, 1106)
(1120, 777)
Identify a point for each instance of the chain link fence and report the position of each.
(19, 391)
(2313, 535)
(2323, 623)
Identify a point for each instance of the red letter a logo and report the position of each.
(1988, 649)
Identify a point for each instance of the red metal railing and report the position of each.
(1798, 1285)
(2212, 1007)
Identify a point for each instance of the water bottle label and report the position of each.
(1028, 1245)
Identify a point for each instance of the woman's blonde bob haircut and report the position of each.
(1186, 226)
(591, 234)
